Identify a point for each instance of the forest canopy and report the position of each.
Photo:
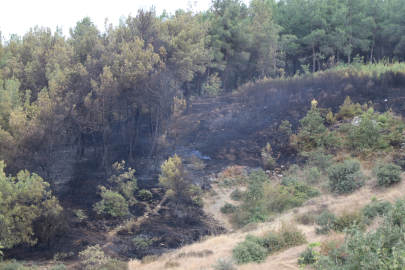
(56, 89)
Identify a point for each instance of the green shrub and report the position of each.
(365, 136)
(313, 133)
(313, 175)
(318, 159)
(268, 160)
(289, 180)
(374, 209)
(346, 177)
(93, 257)
(326, 221)
(145, 194)
(237, 195)
(303, 190)
(294, 169)
(330, 119)
(256, 249)
(141, 243)
(382, 119)
(224, 264)
(286, 197)
(348, 109)
(306, 257)
(347, 219)
(115, 265)
(388, 174)
(308, 218)
(256, 215)
(112, 203)
(249, 251)
(58, 267)
(14, 265)
(382, 248)
(228, 208)
(258, 176)
(289, 235)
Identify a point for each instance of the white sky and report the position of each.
(18, 16)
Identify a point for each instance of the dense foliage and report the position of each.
(377, 249)
(23, 198)
(256, 249)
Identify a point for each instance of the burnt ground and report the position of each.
(232, 130)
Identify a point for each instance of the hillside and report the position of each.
(232, 131)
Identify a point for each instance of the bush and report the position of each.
(289, 236)
(388, 174)
(268, 160)
(306, 257)
(365, 136)
(114, 265)
(237, 195)
(228, 208)
(258, 176)
(289, 180)
(348, 109)
(313, 175)
(346, 177)
(112, 203)
(58, 267)
(382, 119)
(145, 194)
(94, 257)
(233, 175)
(294, 169)
(141, 243)
(375, 249)
(198, 164)
(326, 221)
(308, 218)
(249, 251)
(318, 159)
(347, 219)
(374, 209)
(330, 119)
(149, 259)
(256, 249)
(171, 264)
(224, 264)
(50, 227)
(14, 265)
(80, 215)
(313, 133)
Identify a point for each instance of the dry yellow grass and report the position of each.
(222, 245)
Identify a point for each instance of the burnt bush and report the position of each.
(49, 228)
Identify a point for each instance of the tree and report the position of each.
(85, 36)
(102, 110)
(265, 35)
(24, 198)
(230, 39)
(185, 43)
(313, 133)
(173, 178)
(120, 195)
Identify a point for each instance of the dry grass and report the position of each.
(222, 245)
